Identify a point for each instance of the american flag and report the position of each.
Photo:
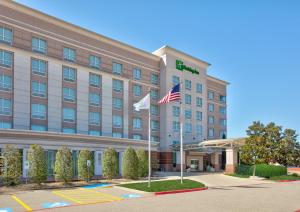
(173, 95)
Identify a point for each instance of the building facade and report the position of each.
(62, 85)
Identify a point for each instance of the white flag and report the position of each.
(144, 103)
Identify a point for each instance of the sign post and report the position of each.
(88, 163)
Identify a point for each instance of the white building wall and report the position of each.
(125, 108)
(106, 105)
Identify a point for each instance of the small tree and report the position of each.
(143, 163)
(85, 172)
(130, 164)
(37, 164)
(63, 165)
(12, 165)
(110, 163)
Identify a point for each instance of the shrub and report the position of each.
(85, 172)
(143, 163)
(12, 165)
(262, 170)
(130, 164)
(63, 165)
(110, 163)
(37, 164)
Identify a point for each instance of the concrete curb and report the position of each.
(179, 191)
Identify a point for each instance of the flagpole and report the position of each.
(149, 148)
(181, 138)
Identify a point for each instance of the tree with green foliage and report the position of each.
(85, 172)
(143, 163)
(37, 164)
(12, 170)
(110, 163)
(130, 164)
(63, 165)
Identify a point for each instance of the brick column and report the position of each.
(231, 160)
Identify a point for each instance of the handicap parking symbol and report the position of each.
(130, 196)
(6, 210)
(55, 204)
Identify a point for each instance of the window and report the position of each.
(188, 99)
(154, 79)
(94, 61)
(95, 80)
(5, 58)
(136, 137)
(69, 94)
(5, 125)
(211, 132)
(36, 127)
(117, 85)
(211, 120)
(117, 68)
(117, 135)
(211, 95)
(154, 125)
(154, 138)
(117, 121)
(69, 74)
(5, 82)
(175, 80)
(211, 107)
(176, 111)
(137, 90)
(68, 130)
(117, 103)
(154, 110)
(223, 122)
(38, 67)
(69, 54)
(176, 126)
(222, 98)
(199, 130)
(188, 84)
(69, 114)
(154, 94)
(188, 114)
(222, 110)
(38, 111)
(137, 123)
(94, 132)
(38, 89)
(137, 74)
(39, 45)
(188, 128)
(199, 116)
(199, 88)
(5, 35)
(199, 102)
(223, 134)
(94, 99)
(94, 118)
(5, 106)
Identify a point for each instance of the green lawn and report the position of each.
(285, 177)
(166, 185)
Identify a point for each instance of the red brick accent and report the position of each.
(229, 168)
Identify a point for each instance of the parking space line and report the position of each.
(21, 203)
(66, 197)
(103, 194)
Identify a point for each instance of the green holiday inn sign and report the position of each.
(180, 66)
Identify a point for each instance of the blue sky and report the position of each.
(253, 44)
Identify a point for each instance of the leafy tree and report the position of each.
(37, 164)
(85, 172)
(63, 165)
(143, 163)
(130, 164)
(110, 163)
(12, 165)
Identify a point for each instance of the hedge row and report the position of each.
(262, 170)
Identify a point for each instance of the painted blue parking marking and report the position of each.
(98, 185)
(55, 204)
(6, 210)
(130, 196)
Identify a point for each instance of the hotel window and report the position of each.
(154, 94)
(94, 61)
(69, 94)
(5, 82)
(117, 103)
(137, 123)
(154, 110)
(222, 110)
(36, 127)
(68, 130)
(137, 74)
(39, 45)
(175, 80)
(117, 135)
(94, 118)
(136, 137)
(6, 35)
(69, 54)
(199, 130)
(211, 132)
(94, 132)
(95, 80)
(38, 111)
(176, 111)
(188, 128)
(211, 120)
(199, 116)
(117, 121)
(154, 79)
(223, 122)
(199, 102)
(5, 58)
(154, 125)
(222, 98)
(117, 85)
(211, 107)
(223, 134)
(199, 88)
(137, 90)
(94, 99)
(5, 125)
(117, 68)
(211, 95)
(188, 99)
(69, 74)
(176, 126)
(38, 67)
(188, 84)
(69, 114)
(154, 138)
(5, 106)
(38, 89)
(188, 114)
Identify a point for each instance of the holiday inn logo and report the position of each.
(180, 66)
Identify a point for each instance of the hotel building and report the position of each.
(62, 85)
